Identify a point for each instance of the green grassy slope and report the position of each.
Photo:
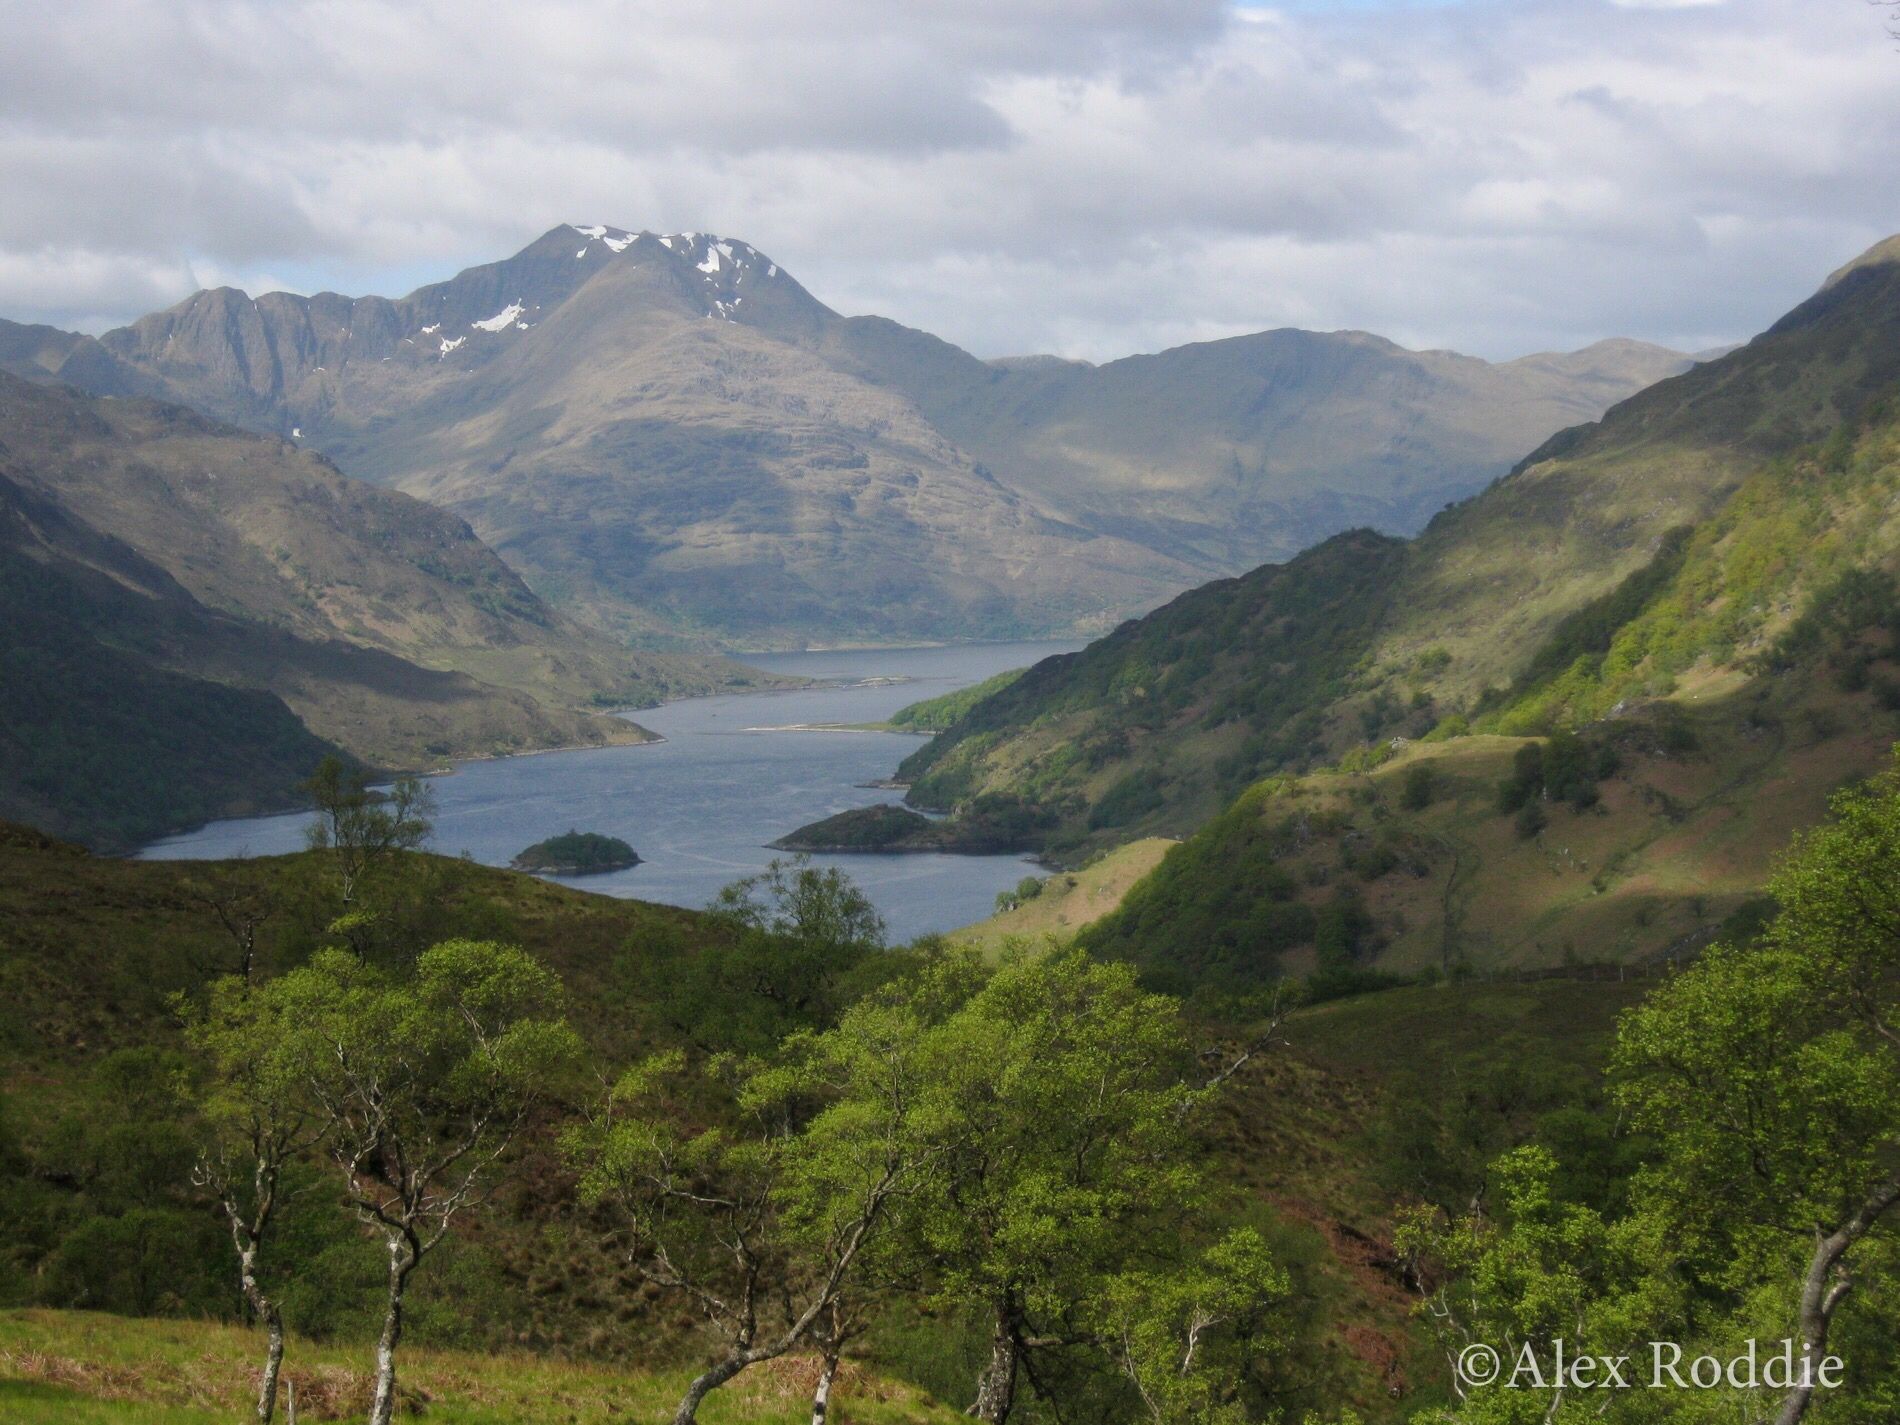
(1724, 692)
(1068, 901)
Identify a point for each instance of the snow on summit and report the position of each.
(711, 254)
(724, 264)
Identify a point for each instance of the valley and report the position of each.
(313, 610)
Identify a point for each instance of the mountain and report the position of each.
(1226, 453)
(1685, 611)
(95, 741)
(668, 436)
(175, 586)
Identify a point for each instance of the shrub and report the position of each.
(1419, 787)
(1530, 819)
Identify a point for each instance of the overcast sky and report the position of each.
(1091, 177)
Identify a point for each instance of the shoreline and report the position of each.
(1026, 857)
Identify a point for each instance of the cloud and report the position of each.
(1087, 176)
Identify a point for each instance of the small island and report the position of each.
(578, 853)
(893, 830)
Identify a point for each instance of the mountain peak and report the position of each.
(710, 252)
(728, 270)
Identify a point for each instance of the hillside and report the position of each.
(1065, 902)
(276, 535)
(1700, 518)
(1159, 724)
(670, 437)
(246, 568)
(92, 952)
(98, 743)
(1338, 872)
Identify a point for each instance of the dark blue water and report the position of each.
(700, 806)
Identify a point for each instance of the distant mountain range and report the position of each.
(669, 437)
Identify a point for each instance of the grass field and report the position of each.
(1071, 899)
(80, 1368)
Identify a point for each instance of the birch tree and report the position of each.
(760, 1220)
(242, 906)
(259, 1121)
(362, 828)
(1771, 1075)
(1526, 1270)
(1767, 1077)
(1055, 1102)
(1184, 1336)
(422, 1084)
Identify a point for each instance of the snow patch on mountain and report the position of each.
(508, 316)
(616, 239)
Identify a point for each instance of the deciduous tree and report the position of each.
(1055, 1105)
(422, 1084)
(1771, 1073)
(258, 1120)
(761, 1219)
(362, 828)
